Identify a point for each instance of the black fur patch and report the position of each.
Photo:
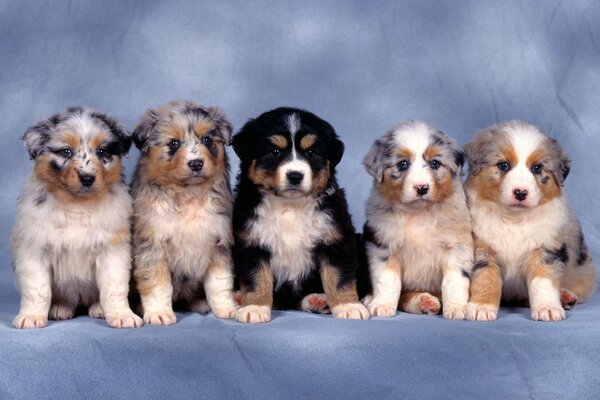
(582, 251)
(464, 273)
(54, 165)
(480, 264)
(545, 179)
(552, 256)
(41, 199)
(369, 236)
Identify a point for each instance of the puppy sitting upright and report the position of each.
(71, 240)
(528, 242)
(294, 237)
(182, 212)
(418, 232)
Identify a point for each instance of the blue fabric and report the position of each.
(363, 66)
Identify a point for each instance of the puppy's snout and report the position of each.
(520, 194)
(196, 165)
(295, 177)
(422, 190)
(87, 179)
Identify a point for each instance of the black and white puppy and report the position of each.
(294, 237)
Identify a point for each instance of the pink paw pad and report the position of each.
(317, 302)
(428, 304)
(568, 299)
(238, 298)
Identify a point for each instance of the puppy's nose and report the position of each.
(295, 177)
(422, 189)
(195, 165)
(520, 194)
(87, 180)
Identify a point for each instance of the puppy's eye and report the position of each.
(206, 140)
(311, 153)
(275, 152)
(101, 153)
(537, 169)
(503, 166)
(434, 164)
(403, 165)
(66, 153)
(174, 144)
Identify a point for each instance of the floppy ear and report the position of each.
(223, 126)
(373, 161)
(561, 165)
(242, 141)
(476, 152)
(118, 131)
(336, 150)
(142, 131)
(36, 137)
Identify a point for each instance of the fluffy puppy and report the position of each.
(294, 238)
(528, 242)
(417, 235)
(182, 212)
(71, 240)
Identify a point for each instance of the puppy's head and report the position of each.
(515, 164)
(183, 143)
(414, 164)
(78, 151)
(288, 152)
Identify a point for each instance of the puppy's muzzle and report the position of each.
(422, 190)
(87, 180)
(195, 165)
(295, 177)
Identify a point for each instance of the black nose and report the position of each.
(87, 180)
(195, 165)
(422, 189)
(295, 177)
(520, 194)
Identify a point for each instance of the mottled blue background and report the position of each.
(363, 66)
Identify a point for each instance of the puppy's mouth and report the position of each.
(292, 192)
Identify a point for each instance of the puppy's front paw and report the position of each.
(568, 299)
(350, 311)
(481, 312)
(30, 321)
(253, 314)
(315, 303)
(126, 319)
(225, 311)
(382, 310)
(455, 311)
(163, 317)
(60, 312)
(95, 311)
(547, 313)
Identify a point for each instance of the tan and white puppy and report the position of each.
(71, 240)
(182, 212)
(528, 242)
(418, 232)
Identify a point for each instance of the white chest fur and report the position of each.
(290, 229)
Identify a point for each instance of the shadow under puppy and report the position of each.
(71, 239)
(182, 212)
(294, 237)
(528, 242)
(417, 235)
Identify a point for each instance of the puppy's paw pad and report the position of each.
(455, 311)
(30, 321)
(60, 312)
(124, 320)
(568, 299)
(382, 310)
(225, 311)
(547, 313)
(315, 303)
(164, 317)
(95, 311)
(481, 312)
(350, 311)
(429, 304)
(253, 314)
(237, 296)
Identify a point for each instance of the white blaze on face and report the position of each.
(86, 128)
(294, 164)
(416, 140)
(520, 177)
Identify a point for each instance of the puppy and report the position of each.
(417, 235)
(182, 212)
(528, 242)
(71, 240)
(294, 238)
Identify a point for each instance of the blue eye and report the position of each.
(403, 165)
(174, 144)
(537, 169)
(434, 164)
(206, 140)
(503, 166)
(66, 153)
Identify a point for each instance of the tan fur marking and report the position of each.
(537, 268)
(307, 141)
(335, 294)
(121, 236)
(262, 294)
(203, 126)
(486, 283)
(320, 180)
(390, 189)
(149, 278)
(431, 153)
(550, 189)
(279, 141)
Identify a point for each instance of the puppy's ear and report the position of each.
(373, 161)
(144, 128)
(117, 130)
(336, 150)
(36, 137)
(561, 163)
(223, 126)
(477, 152)
(243, 140)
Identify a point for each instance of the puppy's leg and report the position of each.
(156, 293)
(315, 303)
(385, 278)
(113, 269)
(95, 311)
(218, 285)
(257, 296)
(32, 273)
(543, 283)
(486, 285)
(420, 303)
(61, 311)
(343, 300)
(455, 284)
